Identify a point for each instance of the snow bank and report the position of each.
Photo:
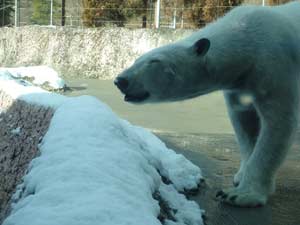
(23, 90)
(96, 168)
(40, 75)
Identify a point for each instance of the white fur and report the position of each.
(252, 51)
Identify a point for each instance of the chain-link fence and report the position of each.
(6, 12)
(142, 14)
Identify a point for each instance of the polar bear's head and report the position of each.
(173, 72)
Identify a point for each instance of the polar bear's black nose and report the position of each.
(121, 83)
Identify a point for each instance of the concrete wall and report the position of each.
(90, 53)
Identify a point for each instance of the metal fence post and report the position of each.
(174, 19)
(157, 14)
(63, 13)
(51, 13)
(17, 13)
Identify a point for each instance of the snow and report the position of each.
(40, 75)
(16, 130)
(187, 211)
(182, 173)
(96, 168)
(24, 90)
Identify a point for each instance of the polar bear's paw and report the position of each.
(242, 197)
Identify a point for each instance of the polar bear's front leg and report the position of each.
(246, 125)
(278, 116)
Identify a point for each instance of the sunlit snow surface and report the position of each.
(39, 74)
(97, 169)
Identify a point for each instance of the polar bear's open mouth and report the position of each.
(136, 98)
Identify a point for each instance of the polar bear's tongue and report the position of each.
(136, 98)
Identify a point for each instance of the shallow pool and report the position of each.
(205, 114)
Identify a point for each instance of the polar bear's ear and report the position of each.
(202, 46)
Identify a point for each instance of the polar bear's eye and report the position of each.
(154, 61)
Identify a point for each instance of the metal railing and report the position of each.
(156, 15)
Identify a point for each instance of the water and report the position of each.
(205, 114)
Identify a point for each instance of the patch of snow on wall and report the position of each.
(24, 90)
(40, 75)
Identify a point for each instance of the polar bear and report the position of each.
(251, 53)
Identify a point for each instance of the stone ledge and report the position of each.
(22, 127)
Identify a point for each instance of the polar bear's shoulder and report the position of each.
(290, 10)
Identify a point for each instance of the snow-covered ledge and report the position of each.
(90, 167)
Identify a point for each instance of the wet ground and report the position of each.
(217, 155)
(200, 130)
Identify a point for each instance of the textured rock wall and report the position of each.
(90, 53)
(22, 127)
